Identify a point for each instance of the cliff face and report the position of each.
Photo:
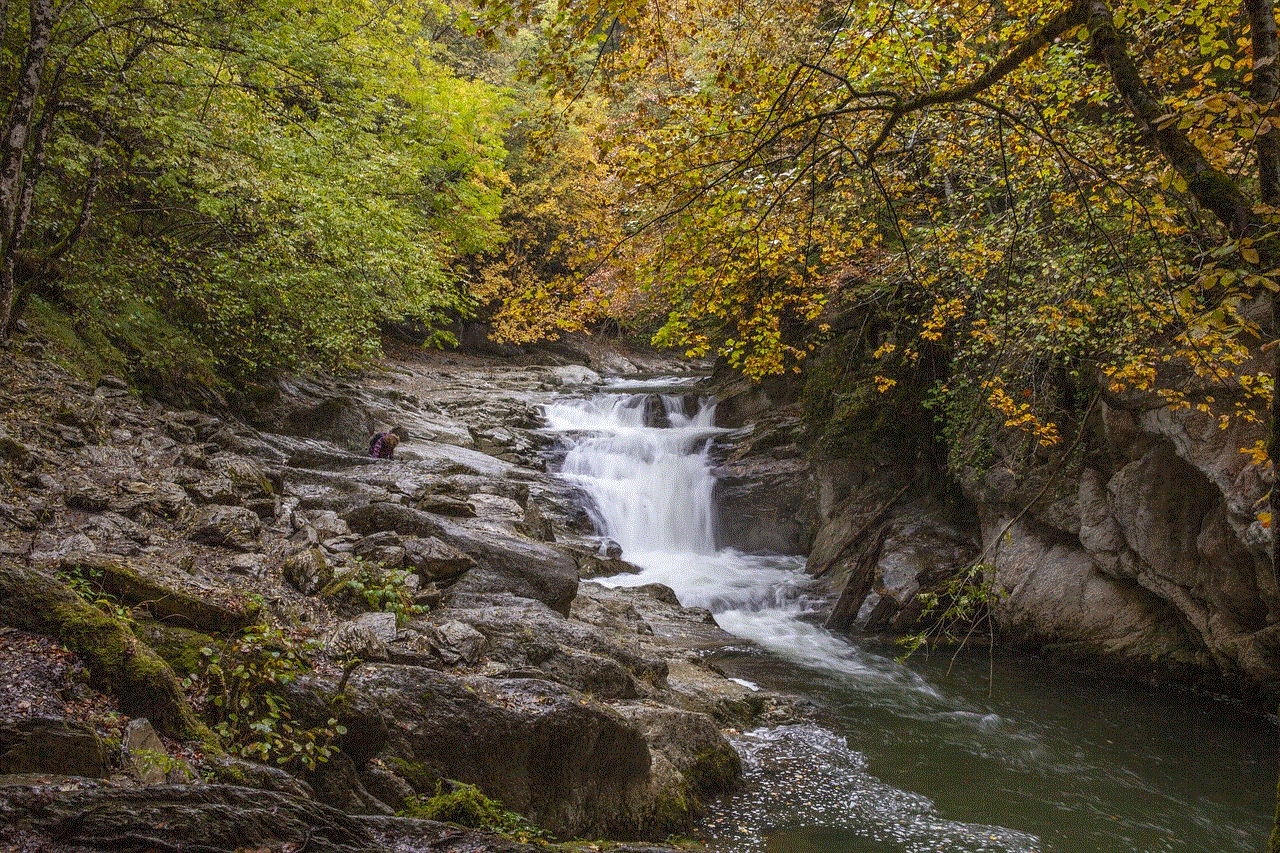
(1154, 554)
(1144, 550)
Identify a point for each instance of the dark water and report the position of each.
(1035, 758)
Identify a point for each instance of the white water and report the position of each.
(945, 769)
(652, 492)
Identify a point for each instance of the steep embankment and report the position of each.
(378, 634)
(1141, 546)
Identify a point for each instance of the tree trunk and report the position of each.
(14, 136)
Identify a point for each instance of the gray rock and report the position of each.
(249, 565)
(763, 496)
(144, 755)
(365, 637)
(565, 761)
(446, 505)
(523, 567)
(52, 745)
(14, 451)
(385, 548)
(321, 525)
(692, 757)
(307, 571)
(207, 817)
(457, 642)
(229, 526)
(532, 638)
(435, 560)
(83, 493)
(215, 490)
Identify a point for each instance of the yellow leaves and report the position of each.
(1257, 452)
(884, 349)
(944, 312)
(1018, 415)
(884, 384)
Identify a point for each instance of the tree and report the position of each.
(1062, 196)
(274, 177)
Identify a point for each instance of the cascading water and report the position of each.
(928, 758)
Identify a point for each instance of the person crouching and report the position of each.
(383, 445)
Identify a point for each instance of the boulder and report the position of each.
(445, 505)
(308, 571)
(695, 759)
(52, 745)
(228, 526)
(504, 563)
(145, 757)
(457, 642)
(533, 638)
(178, 817)
(83, 493)
(385, 547)
(566, 762)
(319, 526)
(365, 637)
(435, 560)
(141, 585)
(763, 495)
(214, 490)
(14, 451)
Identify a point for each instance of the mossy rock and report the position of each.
(671, 813)
(117, 661)
(421, 778)
(181, 648)
(847, 413)
(115, 576)
(714, 771)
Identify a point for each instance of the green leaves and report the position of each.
(277, 177)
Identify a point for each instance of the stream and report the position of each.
(983, 752)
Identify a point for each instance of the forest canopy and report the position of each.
(268, 179)
(1022, 202)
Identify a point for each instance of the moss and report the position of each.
(716, 770)
(465, 805)
(181, 648)
(230, 774)
(123, 666)
(671, 813)
(74, 346)
(844, 411)
(115, 577)
(129, 339)
(849, 413)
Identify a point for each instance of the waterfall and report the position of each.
(651, 485)
(643, 460)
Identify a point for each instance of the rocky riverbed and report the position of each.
(238, 631)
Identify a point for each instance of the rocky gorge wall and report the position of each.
(1144, 552)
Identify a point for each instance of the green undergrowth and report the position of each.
(467, 806)
(131, 340)
(852, 405)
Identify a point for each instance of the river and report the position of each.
(980, 752)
